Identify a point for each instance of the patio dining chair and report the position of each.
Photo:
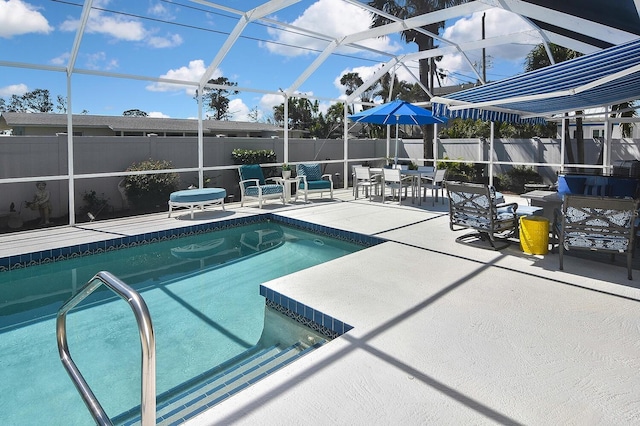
(435, 183)
(364, 179)
(393, 180)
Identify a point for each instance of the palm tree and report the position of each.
(405, 9)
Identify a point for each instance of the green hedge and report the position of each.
(250, 156)
(261, 156)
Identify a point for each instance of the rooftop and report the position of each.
(443, 333)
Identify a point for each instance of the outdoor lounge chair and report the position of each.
(473, 206)
(312, 180)
(254, 185)
(591, 223)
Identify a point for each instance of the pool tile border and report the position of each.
(86, 249)
(318, 321)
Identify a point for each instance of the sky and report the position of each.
(180, 39)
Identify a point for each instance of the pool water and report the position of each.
(203, 296)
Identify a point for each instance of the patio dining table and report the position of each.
(416, 178)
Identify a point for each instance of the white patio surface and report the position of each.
(442, 333)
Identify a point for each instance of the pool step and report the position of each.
(219, 383)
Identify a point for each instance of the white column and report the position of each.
(70, 170)
(345, 169)
(491, 136)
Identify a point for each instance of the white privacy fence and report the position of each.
(100, 162)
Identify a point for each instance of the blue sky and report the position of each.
(179, 39)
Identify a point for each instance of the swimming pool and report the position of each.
(204, 296)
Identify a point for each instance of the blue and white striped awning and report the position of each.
(607, 77)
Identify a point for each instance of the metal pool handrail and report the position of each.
(147, 340)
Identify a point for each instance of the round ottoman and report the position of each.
(192, 198)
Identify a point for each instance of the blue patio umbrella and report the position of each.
(397, 112)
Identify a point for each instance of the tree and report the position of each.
(254, 115)
(135, 113)
(37, 100)
(405, 9)
(61, 105)
(469, 128)
(2, 105)
(400, 89)
(334, 119)
(301, 113)
(217, 100)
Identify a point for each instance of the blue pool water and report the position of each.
(203, 295)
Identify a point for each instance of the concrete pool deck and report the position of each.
(443, 333)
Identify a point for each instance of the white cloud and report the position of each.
(99, 61)
(13, 89)
(122, 28)
(156, 114)
(498, 23)
(61, 59)
(193, 72)
(159, 10)
(171, 40)
(238, 111)
(334, 18)
(119, 28)
(268, 101)
(18, 17)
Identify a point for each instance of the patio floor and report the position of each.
(443, 333)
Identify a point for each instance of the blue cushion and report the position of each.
(623, 187)
(266, 190)
(251, 171)
(197, 195)
(571, 184)
(311, 171)
(316, 184)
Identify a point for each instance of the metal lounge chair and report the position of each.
(473, 206)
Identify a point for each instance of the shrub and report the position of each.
(93, 203)
(149, 191)
(250, 156)
(515, 179)
(464, 172)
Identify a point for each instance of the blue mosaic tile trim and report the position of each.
(321, 323)
(353, 237)
(59, 254)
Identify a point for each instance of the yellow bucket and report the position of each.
(534, 234)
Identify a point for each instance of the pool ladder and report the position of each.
(147, 340)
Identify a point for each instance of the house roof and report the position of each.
(131, 124)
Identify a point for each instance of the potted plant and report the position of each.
(286, 171)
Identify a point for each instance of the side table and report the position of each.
(287, 187)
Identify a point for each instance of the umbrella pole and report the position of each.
(395, 160)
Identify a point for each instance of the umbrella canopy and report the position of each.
(397, 112)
